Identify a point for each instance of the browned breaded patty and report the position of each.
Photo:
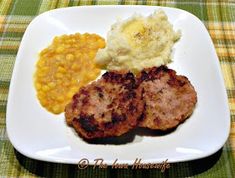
(108, 107)
(169, 98)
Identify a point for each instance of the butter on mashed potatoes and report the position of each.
(138, 42)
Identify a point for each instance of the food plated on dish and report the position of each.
(63, 67)
(119, 102)
(137, 89)
(51, 139)
(138, 42)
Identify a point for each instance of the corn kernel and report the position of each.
(75, 66)
(61, 69)
(73, 81)
(52, 84)
(45, 88)
(59, 75)
(41, 74)
(56, 109)
(70, 57)
(38, 86)
(66, 84)
(43, 102)
(60, 98)
(78, 55)
(60, 49)
(101, 43)
(70, 94)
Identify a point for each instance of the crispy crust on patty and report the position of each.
(105, 108)
(169, 98)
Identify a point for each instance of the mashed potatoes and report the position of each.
(138, 42)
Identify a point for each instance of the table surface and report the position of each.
(219, 19)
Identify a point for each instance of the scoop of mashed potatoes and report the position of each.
(138, 42)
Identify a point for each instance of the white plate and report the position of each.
(41, 135)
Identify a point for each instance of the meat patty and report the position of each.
(105, 108)
(169, 98)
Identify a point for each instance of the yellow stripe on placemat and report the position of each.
(15, 28)
(4, 7)
(9, 44)
(7, 63)
(219, 34)
(232, 137)
(14, 23)
(228, 75)
(221, 30)
(2, 22)
(53, 4)
(225, 51)
(232, 104)
(220, 25)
